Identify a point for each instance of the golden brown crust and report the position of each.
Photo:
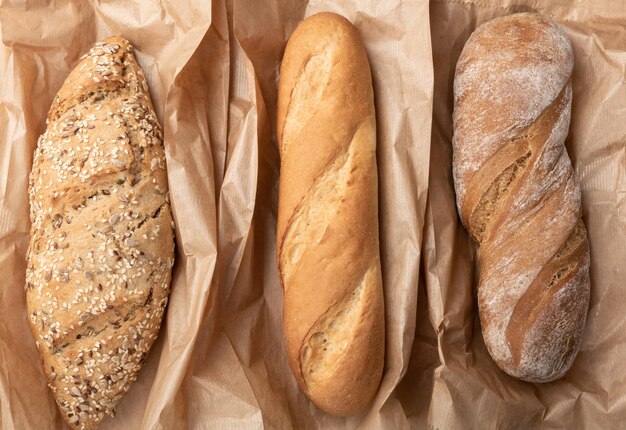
(101, 249)
(328, 249)
(517, 193)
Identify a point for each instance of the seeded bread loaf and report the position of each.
(328, 250)
(101, 248)
(517, 193)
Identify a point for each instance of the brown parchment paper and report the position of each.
(220, 362)
(212, 69)
(468, 390)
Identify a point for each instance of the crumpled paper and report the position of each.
(212, 69)
(468, 390)
(220, 360)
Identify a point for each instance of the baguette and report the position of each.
(101, 247)
(518, 196)
(328, 250)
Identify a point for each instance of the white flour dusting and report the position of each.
(512, 87)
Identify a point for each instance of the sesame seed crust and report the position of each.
(101, 248)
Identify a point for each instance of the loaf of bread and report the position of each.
(101, 248)
(328, 250)
(517, 194)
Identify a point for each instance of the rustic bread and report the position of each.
(517, 194)
(101, 248)
(328, 250)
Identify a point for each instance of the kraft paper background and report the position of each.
(213, 70)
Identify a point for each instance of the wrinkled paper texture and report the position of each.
(212, 69)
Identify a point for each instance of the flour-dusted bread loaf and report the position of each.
(518, 196)
(101, 248)
(328, 251)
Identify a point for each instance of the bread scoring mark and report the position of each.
(101, 251)
(308, 90)
(550, 163)
(480, 219)
(308, 223)
(562, 324)
(504, 103)
(575, 240)
(325, 344)
(528, 313)
(545, 200)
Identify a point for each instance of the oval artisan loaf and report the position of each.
(517, 194)
(328, 250)
(101, 248)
